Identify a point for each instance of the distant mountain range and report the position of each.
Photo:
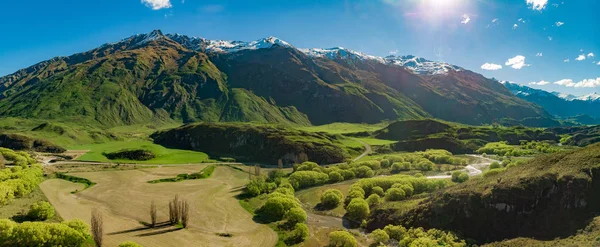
(155, 78)
(560, 105)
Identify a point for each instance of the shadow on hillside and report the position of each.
(159, 232)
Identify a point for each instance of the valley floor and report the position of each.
(124, 198)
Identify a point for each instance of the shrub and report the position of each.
(377, 190)
(306, 166)
(41, 211)
(364, 172)
(131, 154)
(130, 244)
(379, 236)
(374, 200)
(304, 179)
(495, 165)
(493, 172)
(298, 235)
(342, 239)
(40, 234)
(347, 174)
(358, 209)
(459, 177)
(400, 166)
(276, 206)
(385, 163)
(395, 194)
(335, 177)
(395, 232)
(295, 215)
(331, 198)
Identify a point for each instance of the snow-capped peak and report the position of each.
(565, 96)
(589, 97)
(339, 53)
(235, 46)
(421, 65)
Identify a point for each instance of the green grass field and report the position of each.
(344, 128)
(163, 155)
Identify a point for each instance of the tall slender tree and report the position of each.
(97, 226)
(153, 215)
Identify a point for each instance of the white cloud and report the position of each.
(491, 66)
(580, 57)
(516, 62)
(515, 26)
(521, 20)
(465, 19)
(157, 4)
(559, 23)
(567, 60)
(590, 54)
(394, 52)
(495, 20)
(586, 83)
(540, 83)
(598, 63)
(539, 54)
(537, 4)
(549, 38)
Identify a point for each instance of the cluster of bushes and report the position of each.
(542, 147)
(88, 183)
(423, 161)
(342, 239)
(68, 233)
(205, 173)
(20, 180)
(399, 236)
(41, 211)
(131, 154)
(391, 188)
(282, 206)
(459, 177)
(309, 174)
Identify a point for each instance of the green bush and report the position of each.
(395, 194)
(342, 239)
(377, 190)
(400, 166)
(41, 211)
(331, 198)
(131, 154)
(493, 172)
(358, 209)
(459, 177)
(305, 179)
(347, 174)
(295, 215)
(130, 244)
(298, 235)
(495, 165)
(395, 232)
(374, 200)
(41, 234)
(379, 236)
(335, 177)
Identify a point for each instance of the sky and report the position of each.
(548, 44)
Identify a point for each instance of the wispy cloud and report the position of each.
(515, 26)
(394, 52)
(537, 4)
(212, 8)
(549, 38)
(586, 83)
(491, 66)
(539, 83)
(516, 62)
(539, 54)
(590, 54)
(567, 60)
(157, 4)
(580, 57)
(495, 20)
(598, 63)
(465, 19)
(559, 23)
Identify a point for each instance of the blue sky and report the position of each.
(461, 32)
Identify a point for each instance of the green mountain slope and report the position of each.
(152, 78)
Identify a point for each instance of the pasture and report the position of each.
(124, 198)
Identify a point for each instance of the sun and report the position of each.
(444, 5)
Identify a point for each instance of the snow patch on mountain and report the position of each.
(422, 66)
(340, 53)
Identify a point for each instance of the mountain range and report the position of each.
(559, 104)
(155, 77)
